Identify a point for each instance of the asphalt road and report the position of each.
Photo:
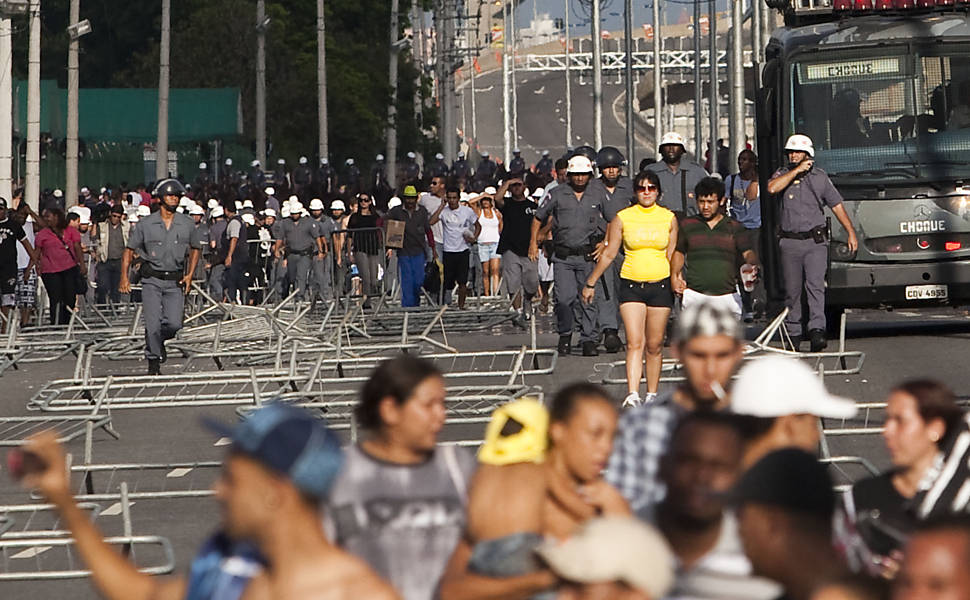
(542, 114)
(897, 345)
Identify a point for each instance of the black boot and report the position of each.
(796, 342)
(611, 341)
(565, 344)
(818, 341)
(589, 349)
(154, 367)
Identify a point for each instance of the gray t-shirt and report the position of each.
(403, 520)
(675, 185)
(454, 223)
(300, 235)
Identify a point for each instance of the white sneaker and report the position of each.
(650, 397)
(632, 400)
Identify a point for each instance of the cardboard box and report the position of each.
(395, 234)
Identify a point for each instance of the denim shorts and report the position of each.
(486, 252)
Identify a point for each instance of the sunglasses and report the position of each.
(364, 200)
(645, 188)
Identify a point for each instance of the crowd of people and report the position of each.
(714, 490)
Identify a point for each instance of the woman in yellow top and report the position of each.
(648, 233)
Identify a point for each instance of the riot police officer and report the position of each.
(804, 192)
(438, 168)
(302, 177)
(378, 183)
(162, 240)
(324, 177)
(578, 226)
(301, 239)
(544, 166)
(257, 179)
(517, 164)
(460, 169)
(412, 172)
(678, 175)
(281, 177)
(613, 192)
(203, 179)
(485, 172)
(352, 176)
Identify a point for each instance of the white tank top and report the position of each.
(490, 233)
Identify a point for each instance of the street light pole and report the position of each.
(597, 76)
(391, 132)
(698, 99)
(714, 98)
(32, 187)
(322, 144)
(161, 147)
(6, 109)
(506, 105)
(657, 77)
(71, 166)
(569, 95)
(738, 129)
(630, 97)
(261, 83)
(515, 88)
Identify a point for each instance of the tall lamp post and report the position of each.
(74, 31)
(8, 9)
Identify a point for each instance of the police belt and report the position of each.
(148, 271)
(306, 252)
(796, 235)
(565, 251)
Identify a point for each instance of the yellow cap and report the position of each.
(410, 192)
(528, 444)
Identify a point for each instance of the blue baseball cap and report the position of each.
(288, 440)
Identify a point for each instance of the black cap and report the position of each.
(3, 203)
(791, 479)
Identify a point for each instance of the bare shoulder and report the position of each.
(358, 580)
(612, 501)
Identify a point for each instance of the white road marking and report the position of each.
(32, 552)
(180, 472)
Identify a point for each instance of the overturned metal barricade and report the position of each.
(25, 521)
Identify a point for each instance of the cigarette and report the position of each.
(718, 391)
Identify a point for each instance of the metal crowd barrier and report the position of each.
(14, 431)
(27, 521)
(54, 557)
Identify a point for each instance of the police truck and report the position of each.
(883, 89)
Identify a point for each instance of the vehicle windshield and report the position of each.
(898, 115)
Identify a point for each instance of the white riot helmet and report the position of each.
(394, 201)
(249, 219)
(380, 157)
(303, 160)
(800, 143)
(212, 203)
(281, 161)
(228, 162)
(316, 204)
(247, 203)
(285, 210)
(203, 166)
(270, 191)
(269, 212)
(143, 211)
(579, 164)
(439, 156)
(672, 138)
(255, 163)
(338, 205)
(196, 210)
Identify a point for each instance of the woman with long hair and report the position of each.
(365, 242)
(648, 233)
(920, 416)
(399, 502)
(491, 222)
(62, 263)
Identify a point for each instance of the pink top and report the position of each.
(54, 257)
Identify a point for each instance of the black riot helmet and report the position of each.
(587, 151)
(169, 187)
(608, 156)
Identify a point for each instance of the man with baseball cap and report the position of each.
(785, 506)
(112, 237)
(578, 225)
(804, 191)
(678, 175)
(281, 465)
(779, 401)
(411, 254)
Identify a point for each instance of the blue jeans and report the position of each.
(412, 278)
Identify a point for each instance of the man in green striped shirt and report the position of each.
(705, 265)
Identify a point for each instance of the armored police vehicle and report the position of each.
(883, 89)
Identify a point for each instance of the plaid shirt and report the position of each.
(634, 466)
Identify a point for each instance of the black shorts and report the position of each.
(8, 281)
(456, 268)
(657, 293)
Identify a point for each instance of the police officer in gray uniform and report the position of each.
(678, 176)
(162, 240)
(303, 243)
(322, 271)
(804, 192)
(613, 191)
(578, 222)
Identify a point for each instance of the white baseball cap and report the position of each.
(775, 386)
(270, 191)
(316, 204)
(801, 143)
(217, 212)
(394, 201)
(614, 549)
(58, 193)
(302, 160)
(196, 210)
(579, 164)
(672, 138)
(269, 212)
(338, 205)
(144, 211)
(247, 203)
(539, 192)
(249, 219)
